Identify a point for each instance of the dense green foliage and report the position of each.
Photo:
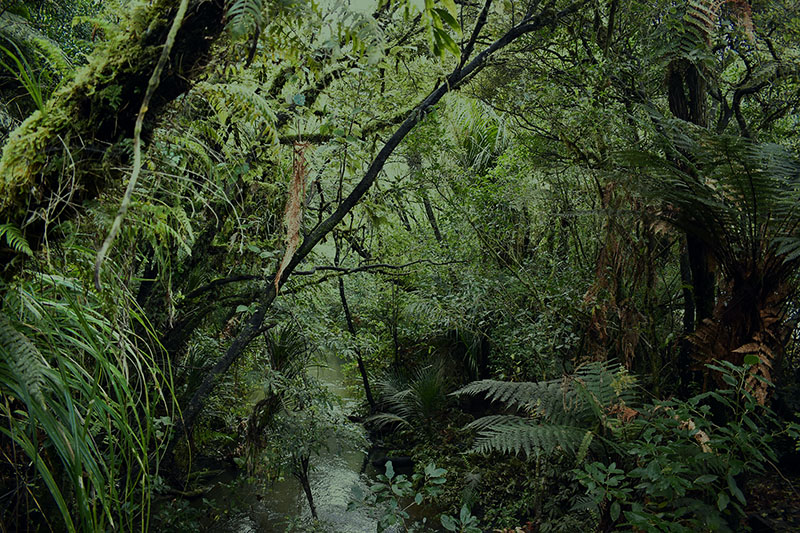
(554, 246)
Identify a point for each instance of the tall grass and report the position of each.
(14, 62)
(84, 429)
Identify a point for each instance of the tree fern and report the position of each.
(559, 415)
(740, 198)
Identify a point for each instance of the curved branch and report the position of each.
(453, 82)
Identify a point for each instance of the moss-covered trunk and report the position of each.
(67, 154)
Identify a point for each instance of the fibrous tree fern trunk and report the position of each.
(747, 316)
(687, 95)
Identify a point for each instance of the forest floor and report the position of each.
(774, 503)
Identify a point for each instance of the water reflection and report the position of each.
(252, 507)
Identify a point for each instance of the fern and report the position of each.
(15, 239)
(242, 110)
(245, 17)
(561, 415)
(26, 365)
(411, 402)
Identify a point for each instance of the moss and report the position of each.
(81, 118)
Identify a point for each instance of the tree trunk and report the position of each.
(431, 217)
(687, 101)
(302, 476)
(362, 369)
(83, 126)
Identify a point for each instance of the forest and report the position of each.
(350, 266)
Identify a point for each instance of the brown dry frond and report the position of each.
(293, 216)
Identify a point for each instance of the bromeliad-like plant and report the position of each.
(413, 402)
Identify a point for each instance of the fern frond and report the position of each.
(564, 411)
(245, 17)
(26, 364)
(524, 395)
(583, 449)
(15, 239)
(381, 420)
(241, 105)
(512, 434)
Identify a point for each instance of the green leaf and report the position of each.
(450, 5)
(389, 470)
(751, 359)
(418, 498)
(432, 471)
(447, 42)
(449, 19)
(722, 501)
(299, 99)
(615, 510)
(448, 523)
(464, 515)
(735, 490)
(705, 478)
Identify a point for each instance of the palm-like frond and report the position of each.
(514, 434)
(559, 413)
(411, 402)
(481, 134)
(739, 197)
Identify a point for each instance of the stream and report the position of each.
(252, 508)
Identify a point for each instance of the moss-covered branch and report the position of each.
(66, 154)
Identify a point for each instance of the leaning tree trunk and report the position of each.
(63, 156)
(464, 72)
(301, 473)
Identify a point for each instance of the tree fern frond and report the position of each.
(508, 434)
(740, 197)
(564, 411)
(526, 395)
